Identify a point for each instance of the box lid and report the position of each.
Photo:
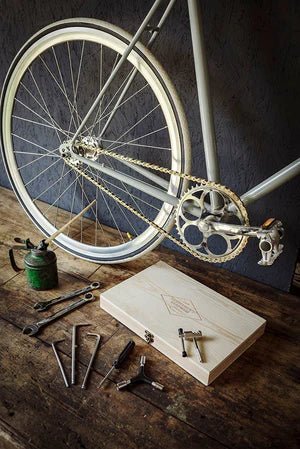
(160, 300)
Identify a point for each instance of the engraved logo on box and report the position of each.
(181, 307)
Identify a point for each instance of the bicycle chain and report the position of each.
(236, 200)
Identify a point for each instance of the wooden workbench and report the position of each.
(253, 404)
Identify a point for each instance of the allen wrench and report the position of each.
(59, 362)
(74, 347)
(98, 337)
(140, 377)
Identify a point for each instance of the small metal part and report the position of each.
(269, 241)
(33, 329)
(74, 346)
(180, 334)
(140, 377)
(59, 362)
(149, 337)
(45, 305)
(190, 335)
(98, 337)
(121, 358)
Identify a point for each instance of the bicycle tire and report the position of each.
(67, 33)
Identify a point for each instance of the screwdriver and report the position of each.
(121, 358)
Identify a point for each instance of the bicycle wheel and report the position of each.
(49, 88)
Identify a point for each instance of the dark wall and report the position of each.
(253, 53)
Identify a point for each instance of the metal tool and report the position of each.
(33, 329)
(141, 377)
(180, 334)
(121, 358)
(190, 335)
(45, 305)
(98, 337)
(59, 362)
(74, 346)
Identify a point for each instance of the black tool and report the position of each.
(141, 377)
(180, 333)
(121, 358)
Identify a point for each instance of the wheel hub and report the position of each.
(86, 147)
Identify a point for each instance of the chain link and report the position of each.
(203, 182)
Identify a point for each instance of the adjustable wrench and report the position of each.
(45, 305)
(33, 329)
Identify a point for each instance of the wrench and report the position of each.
(45, 305)
(33, 329)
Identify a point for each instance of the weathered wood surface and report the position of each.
(253, 404)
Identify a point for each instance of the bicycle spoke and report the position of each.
(58, 198)
(115, 108)
(119, 206)
(36, 100)
(135, 125)
(50, 187)
(35, 154)
(35, 160)
(59, 190)
(138, 138)
(44, 102)
(34, 144)
(42, 118)
(41, 124)
(41, 173)
(64, 90)
(59, 86)
(139, 145)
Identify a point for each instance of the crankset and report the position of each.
(211, 220)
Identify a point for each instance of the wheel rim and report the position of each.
(13, 104)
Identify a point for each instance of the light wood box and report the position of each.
(161, 299)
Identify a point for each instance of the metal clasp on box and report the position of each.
(149, 337)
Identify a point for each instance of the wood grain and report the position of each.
(254, 404)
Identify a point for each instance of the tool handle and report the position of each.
(59, 231)
(124, 354)
(13, 262)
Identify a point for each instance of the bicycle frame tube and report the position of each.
(206, 115)
(117, 68)
(204, 97)
(273, 182)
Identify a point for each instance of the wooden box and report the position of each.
(160, 299)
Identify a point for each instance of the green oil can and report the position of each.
(39, 265)
(41, 269)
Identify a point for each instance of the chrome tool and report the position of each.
(59, 362)
(33, 329)
(98, 337)
(121, 358)
(45, 305)
(74, 346)
(190, 335)
(141, 377)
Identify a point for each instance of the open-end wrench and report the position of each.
(33, 329)
(45, 305)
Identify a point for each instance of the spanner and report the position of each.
(45, 305)
(33, 329)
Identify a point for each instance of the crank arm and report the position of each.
(240, 230)
(33, 329)
(45, 305)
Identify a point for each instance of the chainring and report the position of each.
(195, 215)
